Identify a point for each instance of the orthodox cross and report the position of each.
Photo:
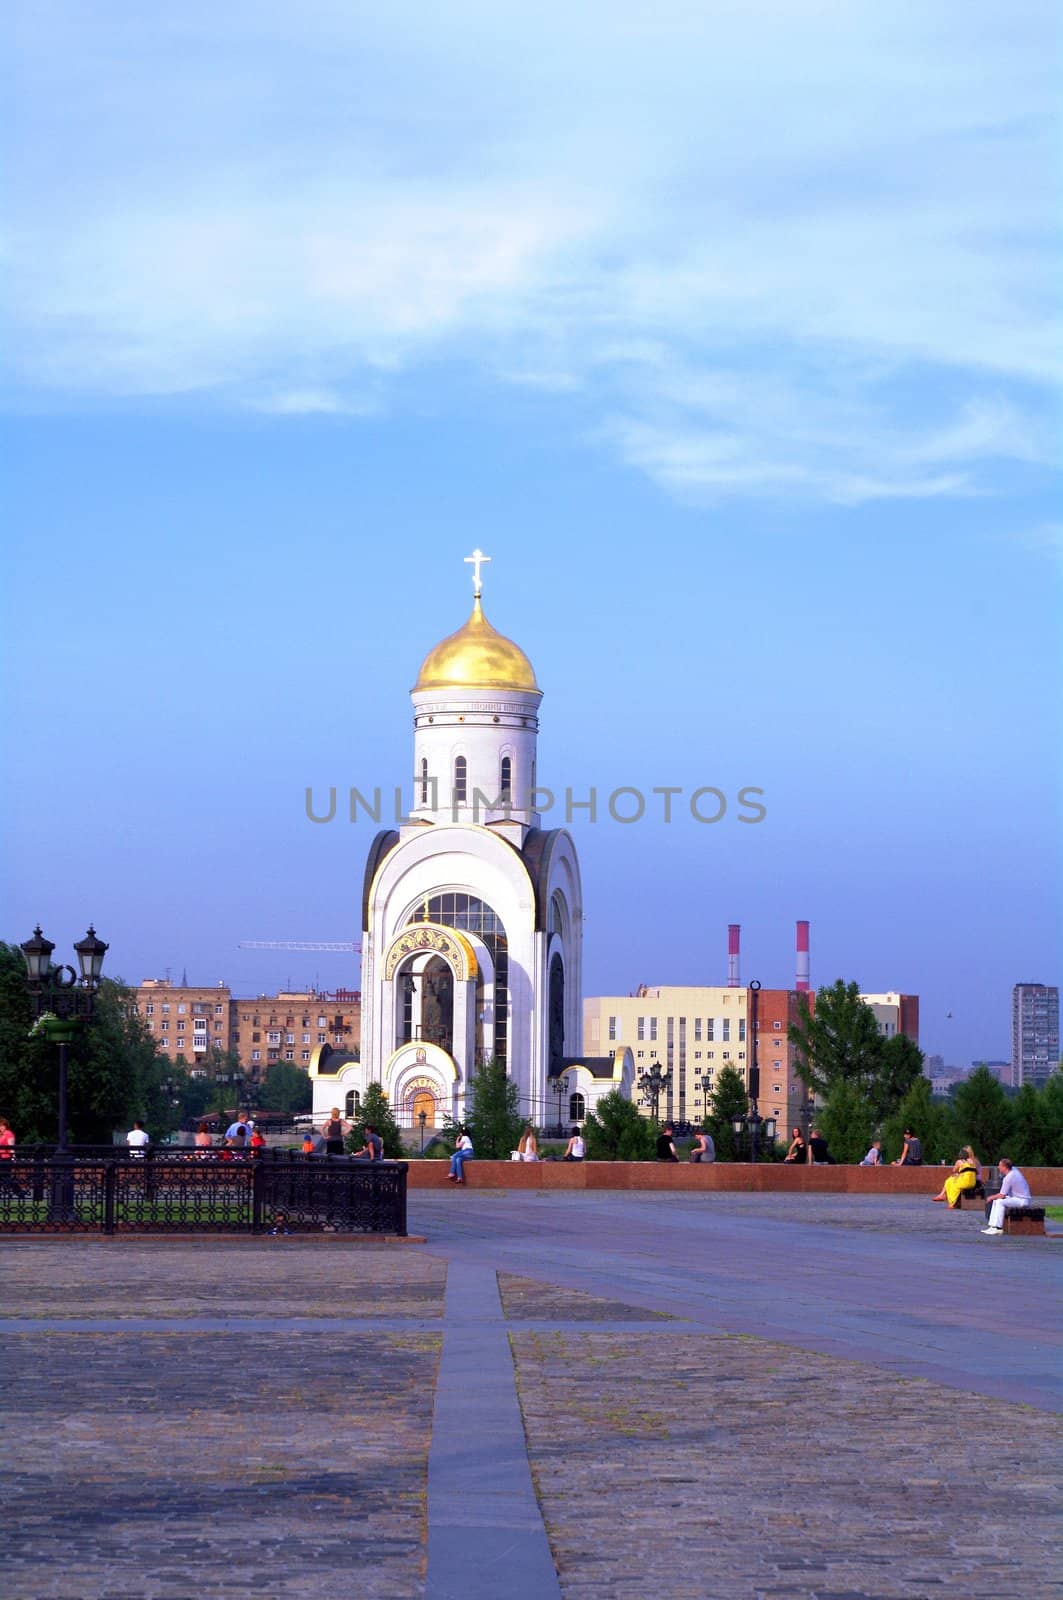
(476, 561)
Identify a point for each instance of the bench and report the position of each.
(1025, 1220)
(975, 1195)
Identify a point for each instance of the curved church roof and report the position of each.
(477, 656)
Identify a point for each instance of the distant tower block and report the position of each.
(734, 930)
(802, 958)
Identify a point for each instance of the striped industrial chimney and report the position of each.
(734, 930)
(802, 958)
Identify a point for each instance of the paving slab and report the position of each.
(893, 1282)
(754, 1395)
(684, 1464)
(485, 1532)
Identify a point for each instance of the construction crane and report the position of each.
(345, 945)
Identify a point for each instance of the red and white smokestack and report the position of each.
(734, 930)
(802, 958)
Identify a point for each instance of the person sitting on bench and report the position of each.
(1014, 1192)
(965, 1177)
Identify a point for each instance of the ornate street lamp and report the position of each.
(560, 1087)
(422, 1118)
(62, 998)
(653, 1082)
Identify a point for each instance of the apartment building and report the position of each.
(895, 1013)
(196, 1023)
(1034, 1033)
(184, 1021)
(289, 1026)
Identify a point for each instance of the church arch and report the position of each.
(505, 778)
(461, 781)
(556, 1016)
(352, 1103)
(577, 1107)
(424, 780)
(467, 914)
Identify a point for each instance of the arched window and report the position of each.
(577, 1108)
(461, 781)
(352, 1103)
(505, 778)
(424, 780)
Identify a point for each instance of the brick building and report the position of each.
(197, 1023)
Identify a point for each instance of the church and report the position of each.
(471, 910)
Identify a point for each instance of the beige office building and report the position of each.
(692, 1031)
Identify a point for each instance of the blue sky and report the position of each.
(731, 333)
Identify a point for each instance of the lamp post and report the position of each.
(422, 1118)
(706, 1090)
(560, 1087)
(63, 998)
(653, 1082)
(754, 1122)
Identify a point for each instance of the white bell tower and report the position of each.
(475, 724)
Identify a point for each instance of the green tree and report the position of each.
(615, 1131)
(901, 1067)
(1037, 1126)
(375, 1112)
(934, 1121)
(847, 1123)
(110, 1063)
(492, 1114)
(839, 1042)
(286, 1087)
(728, 1100)
(983, 1114)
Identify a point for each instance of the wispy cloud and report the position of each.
(804, 248)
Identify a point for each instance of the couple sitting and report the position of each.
(965, 1178)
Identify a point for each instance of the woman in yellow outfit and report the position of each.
(966, 1171)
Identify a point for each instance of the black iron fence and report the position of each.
(113, 1191)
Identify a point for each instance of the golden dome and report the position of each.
(476, 657)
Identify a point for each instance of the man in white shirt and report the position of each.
(137, 1139)
(1014, 1191)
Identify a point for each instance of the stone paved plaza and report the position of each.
(553, 1395)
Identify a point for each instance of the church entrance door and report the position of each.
(424, 1101)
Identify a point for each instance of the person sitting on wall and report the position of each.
(704, 1148)
(528, 1147)
(373, 1148)
(912, 1154)
(463, 1152)
(874, 1155)
(798, 1150)
(576, 1148)
(665, 1144)
(965, 1175)
(821, 1156)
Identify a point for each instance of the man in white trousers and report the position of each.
(1014, 1191)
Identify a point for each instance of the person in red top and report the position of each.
(7, 1153)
